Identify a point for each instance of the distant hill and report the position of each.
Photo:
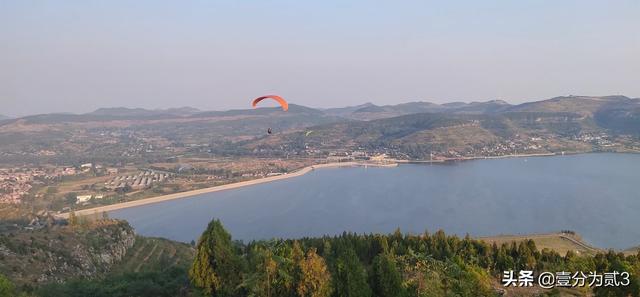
(416, 135)
(372, 112)
(275, 111)
(345, 111)
(109, 114)
(4, 117)
(584, 105)
(413, 128)
(493, 106)
(623, 117)
(418, 128)
(107, 133)
(128, 112)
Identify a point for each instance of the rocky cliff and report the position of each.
(57, 253)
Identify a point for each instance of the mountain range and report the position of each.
(583, 105)
(574, 123)
(414, 128)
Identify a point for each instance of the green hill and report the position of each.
(419, 135)
(583, 105)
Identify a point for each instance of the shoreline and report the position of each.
(230, 186)
(576, 242)
(481, 158)
(297, 173)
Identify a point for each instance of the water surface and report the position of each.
(597, 195)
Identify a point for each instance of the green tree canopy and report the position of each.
(315, 280)
(350, 279)
(6, 287)
(386, 280)
(216, 268)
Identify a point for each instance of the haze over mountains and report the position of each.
(584, 105)
(618, 113)
(123, 111)
(414, 128)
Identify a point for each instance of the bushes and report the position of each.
(6, 287)
(171, 282)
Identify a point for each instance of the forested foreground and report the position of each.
(348, 265)
(383, 265)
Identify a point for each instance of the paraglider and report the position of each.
(283, 103)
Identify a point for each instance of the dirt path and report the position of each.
(146, 258)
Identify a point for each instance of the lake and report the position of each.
(596, 195)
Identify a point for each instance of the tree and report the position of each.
(263, 280)
(73, 219)
(167, 282)
(216, 268)
(6, 287)
(350, 279)
(315, 279)
(71, 197)
(386, 281)
(123, 190)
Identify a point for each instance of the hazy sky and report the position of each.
(77, 56)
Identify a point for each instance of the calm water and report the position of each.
(597, 195)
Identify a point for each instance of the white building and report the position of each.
(82, 198)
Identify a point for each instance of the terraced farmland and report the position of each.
(155, 253)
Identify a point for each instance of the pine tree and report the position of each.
(386, 281)
(350, 277)
(262, 281)
(216, 268)
(314, 279)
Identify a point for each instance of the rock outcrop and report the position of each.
(54, 254)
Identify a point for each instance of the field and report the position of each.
(152, 253)
(559, 242)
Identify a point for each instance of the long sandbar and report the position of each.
(140, 202)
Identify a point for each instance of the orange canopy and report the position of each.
(283, 103)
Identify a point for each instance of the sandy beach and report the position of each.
(303, 171)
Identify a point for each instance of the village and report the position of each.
(17, 182)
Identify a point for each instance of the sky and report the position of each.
(77, 56)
